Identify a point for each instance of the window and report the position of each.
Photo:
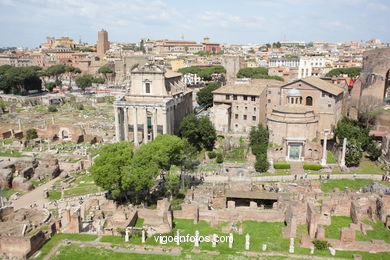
(227, 97)
(329, 105)
(253, 98)
(234, 97)
(323, 94)
(147, 87)
(269, 91)
(309, 101)
(269, 100)
(246, 108)
(245, 117)
(237, 107)
(253, 118)
(245, 98)
(254, 109)
(236, 116)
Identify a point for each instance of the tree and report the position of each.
(200, 133)
(350, 72)
(52, 108)
(207, 133)
(172, 184)
(256, 73)
(56, 71)
(99, 80)
(72, 71)
(50, 86)
(84, 82)
(374, 151)
(353, 154)
(219, 158)
(204, 73)
(105, 70)
(205, 96)
(261, 164)
(31, 134)
(110, 167)
(19, 80)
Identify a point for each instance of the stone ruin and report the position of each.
(17, 173)
(21, 232)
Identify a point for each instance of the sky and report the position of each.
(27, 22)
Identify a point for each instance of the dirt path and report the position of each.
(36, 196)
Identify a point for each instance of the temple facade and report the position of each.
(155, 104)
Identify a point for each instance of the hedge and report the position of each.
(212, 154)
(282, 166)
(313, 167)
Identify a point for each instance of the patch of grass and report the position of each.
(6, 193)
(81, 190)
(8, 141)
(11, 153)
(38, 183)
(54, 195)
(236, 154)
(45, 249)
(331, 157)
(368, 167)
(354, 185)
(139, 223)
(333, 230)
(379, 232)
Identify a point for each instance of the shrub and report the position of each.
(261, 164)
(321, 245)
(313, 167)
(31, 134)
(52, 108)
(282, 166)
(212, 154)
(219, 158)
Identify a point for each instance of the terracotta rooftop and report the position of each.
(254, 88)
(324, 85)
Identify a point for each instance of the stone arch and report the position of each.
(309, 101)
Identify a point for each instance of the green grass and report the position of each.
(8, 141)
(333, 230)
(81, 190)
(331, 157)
(54, 195)
(58, 237)
(6, 193)
(379, 232)
(236, 154)
(38, 183)
(11, 153)
(139, 223)
(353, 185)
(368, 167)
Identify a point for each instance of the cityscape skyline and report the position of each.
(27, 23)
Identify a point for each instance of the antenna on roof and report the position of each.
(182, 36)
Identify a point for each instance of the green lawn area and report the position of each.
(333, 230)
(81, 190)
(331, 157)
(6, 193)
(139, 222)
(236, 154)
(368, 167)
(353, 185)
(11, 153)
(45, 249)
(378, 233)
(54, 195)
(260, 232)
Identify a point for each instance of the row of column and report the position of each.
(122, 124)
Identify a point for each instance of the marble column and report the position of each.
(126, 123)
(154, 123)
(117, 130)
(135, 126)
(168, 120)
(165, 120)
(323, 161)
(145, 125)
(342, 163)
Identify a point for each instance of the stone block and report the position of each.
(20, 183)
(6, 178)
(231, 204)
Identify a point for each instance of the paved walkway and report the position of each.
(282, 178)
(36, 196)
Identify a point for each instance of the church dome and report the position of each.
(294, 93)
